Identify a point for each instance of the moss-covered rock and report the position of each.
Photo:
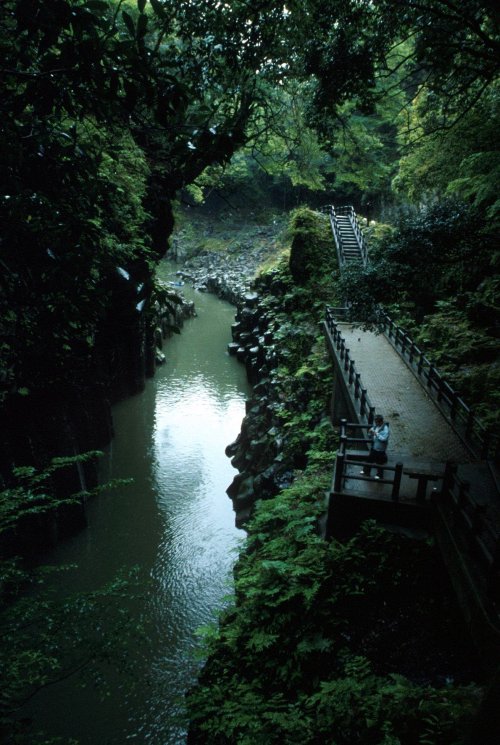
(312, 250)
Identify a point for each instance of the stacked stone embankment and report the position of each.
(257, 452)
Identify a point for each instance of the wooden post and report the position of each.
(430, 375)
(396, 484)
(351, 371)
(485, 448)
(412, 352)
(440, 389)
(493, 586)
(477, 520)
(362, 406)
(346, 359)
(339, 472)
(357, 385)
(450, 471)
(371, 415)
(420, 363)
(469, 426)
(463, 492)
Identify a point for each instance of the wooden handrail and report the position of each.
(347, 366)
(472, 517)
(461, 417)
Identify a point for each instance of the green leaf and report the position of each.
(142, 25)
(129, 22)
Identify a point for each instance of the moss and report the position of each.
(312, 249)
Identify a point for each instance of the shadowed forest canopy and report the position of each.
(112, 109)
(110, 112)
(109, 109)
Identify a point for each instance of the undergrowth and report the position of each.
(341, 643)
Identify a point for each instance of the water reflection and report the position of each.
(175, 521)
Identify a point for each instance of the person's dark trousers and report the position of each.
(376, 456)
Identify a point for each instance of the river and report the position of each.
(174, 522)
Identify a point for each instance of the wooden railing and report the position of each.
(352, 377)
(476, 523)
(342, 461)
(422, 476)
(464, 515)
(480, 441)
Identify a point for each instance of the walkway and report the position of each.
(420, 434)
(437, 478)
(418, 429)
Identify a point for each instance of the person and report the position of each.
(379, 435)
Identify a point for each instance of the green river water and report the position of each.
(174, 522)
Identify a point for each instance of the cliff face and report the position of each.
(72, 415)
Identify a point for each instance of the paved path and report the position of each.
(418, 429)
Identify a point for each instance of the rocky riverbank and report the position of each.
(224, 256)
(266, 453)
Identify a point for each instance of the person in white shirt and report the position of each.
(379, 435)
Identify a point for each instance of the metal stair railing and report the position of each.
(345, 211)
(363, 248)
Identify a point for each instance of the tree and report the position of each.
(108, 110)
(463, 160)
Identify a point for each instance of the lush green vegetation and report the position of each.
(113, 109)
(437, 273)
(47, 635)
(328, 642)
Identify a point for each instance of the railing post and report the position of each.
(396, 484)
(440, 390)
(493, 586)
(371, 414)
(357, 385)
(362, 404)
(346, 359)
(403, 343)
(351, 371)
(485, 447)
(469, 426)
(412, 352)
(476, 521)
(420, 363)
(339, 472)
(430, 376)
(450, 471)
(454, 404)
(463, 491)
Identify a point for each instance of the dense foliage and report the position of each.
(328, 642)
(437, 273)
(48, 635)
(110, 110)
